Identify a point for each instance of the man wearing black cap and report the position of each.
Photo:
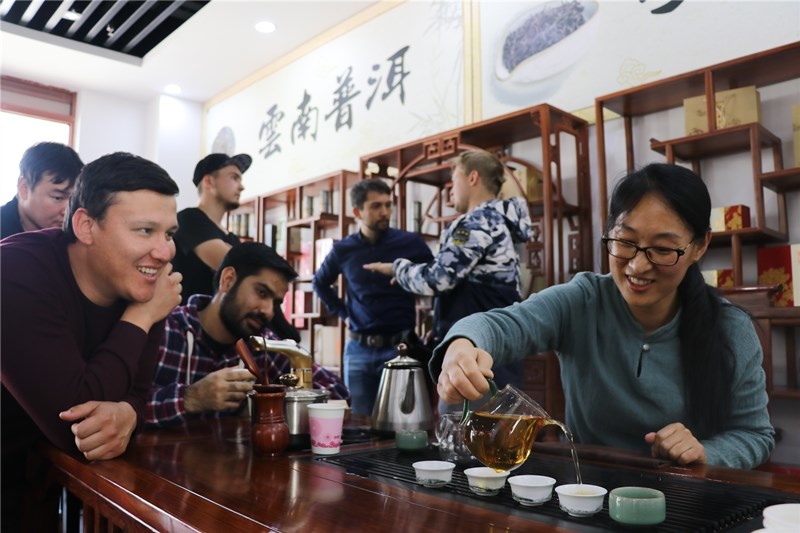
(201, 241)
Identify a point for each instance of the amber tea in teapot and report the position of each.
(502, 442)
(502, 432)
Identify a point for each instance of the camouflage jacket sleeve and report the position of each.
(464, 245)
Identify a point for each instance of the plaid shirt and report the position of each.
(176, 370)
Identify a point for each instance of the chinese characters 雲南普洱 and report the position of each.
(306, 124)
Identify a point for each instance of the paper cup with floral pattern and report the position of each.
(325, 426)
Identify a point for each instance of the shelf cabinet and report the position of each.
(294, 220)
(243, 221)
(542, 135)
(761, 69)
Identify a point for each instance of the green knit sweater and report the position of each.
(620, 383)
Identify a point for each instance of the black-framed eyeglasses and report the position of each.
(658, 255)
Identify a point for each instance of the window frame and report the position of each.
(37, 91)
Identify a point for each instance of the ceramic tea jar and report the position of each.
(269, 432)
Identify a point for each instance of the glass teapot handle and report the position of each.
(465, 412)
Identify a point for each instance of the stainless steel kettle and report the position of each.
(403, 401)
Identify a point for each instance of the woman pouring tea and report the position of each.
(652, 358)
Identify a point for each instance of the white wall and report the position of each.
(107, 124)
(166, 130)
(178, 126)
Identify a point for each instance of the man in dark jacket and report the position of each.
(47, 174)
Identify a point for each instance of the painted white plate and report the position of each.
(555, 58)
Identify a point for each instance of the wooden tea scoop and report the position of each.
(249, 361)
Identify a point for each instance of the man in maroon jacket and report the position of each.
(82, 315)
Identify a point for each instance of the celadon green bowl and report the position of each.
(637, 506)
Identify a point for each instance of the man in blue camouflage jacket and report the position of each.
(477, 267)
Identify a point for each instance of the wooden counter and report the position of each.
(206, 478)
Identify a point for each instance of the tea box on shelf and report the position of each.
(733, 107)
(730, 217)
(719, 278)
(780, 265)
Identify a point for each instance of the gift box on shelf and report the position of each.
(733, 107)
(730, 217)
(780, 265)
(719, 278)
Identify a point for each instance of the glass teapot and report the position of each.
(501, 433)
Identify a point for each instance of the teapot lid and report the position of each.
(301, 395)
(403, 361)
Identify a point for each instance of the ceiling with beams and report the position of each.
(129, 27)
(133, 49)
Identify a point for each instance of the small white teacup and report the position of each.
(433, 473)
(581, 500)
(485, 481)
(531, 490)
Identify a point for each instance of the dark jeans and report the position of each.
(363, 367)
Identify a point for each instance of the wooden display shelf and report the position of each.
(276, 200)
(785, 180)
(716, 143)
(436, 175)
(768, 319)
(763, 68)
(536, 208)
(324, 220)
(655, 96)
(748, 236)
(429, 160)
(519, 126)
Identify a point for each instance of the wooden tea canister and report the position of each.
(269, 433)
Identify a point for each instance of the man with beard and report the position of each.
(201, 240)
(198, 373)
(378, 313)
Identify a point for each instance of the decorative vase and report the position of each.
(269, 432)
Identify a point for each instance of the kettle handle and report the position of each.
(465, 412)
(407, 405)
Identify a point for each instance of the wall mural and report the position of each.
(392, 80)
(567, 52)
(400, 76)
